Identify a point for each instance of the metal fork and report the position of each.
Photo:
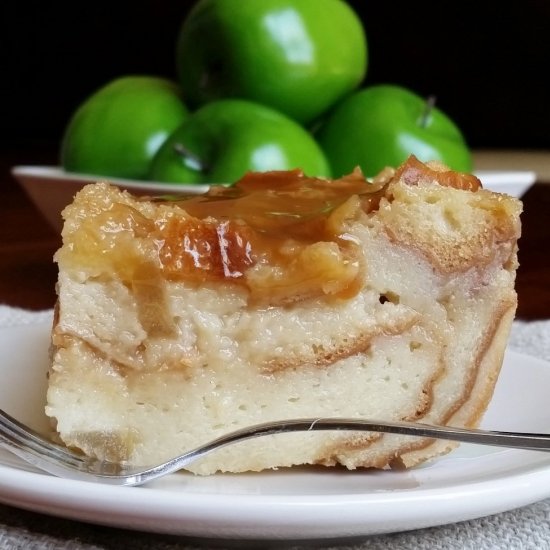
(62, 462)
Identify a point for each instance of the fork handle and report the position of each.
(516, 440)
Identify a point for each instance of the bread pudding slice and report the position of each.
(281, 297)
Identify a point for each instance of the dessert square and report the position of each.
(282, 296)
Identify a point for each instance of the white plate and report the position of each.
(294, 504)
(51, 188)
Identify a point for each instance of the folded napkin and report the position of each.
(13, 316)
(531, 338)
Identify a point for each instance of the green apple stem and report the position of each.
(191, 160)
(428, 107)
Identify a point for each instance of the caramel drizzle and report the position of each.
(283, 235)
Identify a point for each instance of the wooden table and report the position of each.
(27, 243)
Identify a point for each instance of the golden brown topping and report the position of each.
(282, 235)
(285, 203)
(198, 249)
(413, 172)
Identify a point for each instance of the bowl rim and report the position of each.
(515, 182)
(52, 172)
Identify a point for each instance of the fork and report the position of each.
(60, 461)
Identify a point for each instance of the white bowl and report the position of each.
(51, 188)
(515, 183)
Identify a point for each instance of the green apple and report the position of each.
(382, 125)
(297, 56)
(118, 129)
(224, 139)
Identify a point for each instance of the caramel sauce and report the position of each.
(285, 204)
(197, 249)
(282, 235)
(413, 171)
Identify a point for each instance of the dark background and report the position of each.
(487, 62)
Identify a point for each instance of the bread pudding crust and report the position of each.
(392, 302)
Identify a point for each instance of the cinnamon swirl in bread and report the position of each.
(281, 297)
